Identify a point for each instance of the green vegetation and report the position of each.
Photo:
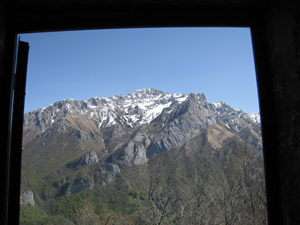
(183, 186)
(31, 215)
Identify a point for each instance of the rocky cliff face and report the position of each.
(103, 135)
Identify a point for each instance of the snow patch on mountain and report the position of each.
(218, 104)
(255, 117)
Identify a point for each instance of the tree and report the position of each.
(86, 215)
(160, 196)
(246, 176)
(197, 195)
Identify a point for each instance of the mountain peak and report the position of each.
(148, 91)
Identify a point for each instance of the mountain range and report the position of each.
(80, 146)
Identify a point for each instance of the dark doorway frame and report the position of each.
(44, 16)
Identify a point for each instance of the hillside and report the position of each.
(146, 157)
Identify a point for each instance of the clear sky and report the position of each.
(100, 63)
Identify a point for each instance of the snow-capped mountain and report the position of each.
(120, 131)
(223, 110)
(132, 110)
(111, 144)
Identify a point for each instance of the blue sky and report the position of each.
(100, 63)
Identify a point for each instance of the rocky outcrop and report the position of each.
(107, 173)
(27, 198)
(89, 158)
(133, 153)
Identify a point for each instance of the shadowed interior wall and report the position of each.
(279, 84)
(7, 45)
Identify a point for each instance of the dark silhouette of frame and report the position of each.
(275, 34)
